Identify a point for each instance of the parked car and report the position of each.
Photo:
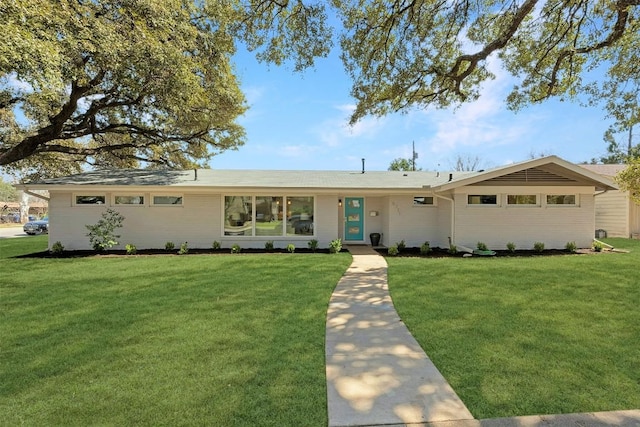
(36, 227)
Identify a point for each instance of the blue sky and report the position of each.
(300, 121)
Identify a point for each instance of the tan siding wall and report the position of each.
(373, 224)
(612, 213)
(198, 221)
(413, 224)
(552, 225)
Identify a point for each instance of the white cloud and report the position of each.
(336, 130)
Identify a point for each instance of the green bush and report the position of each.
(215, 245)
(57, 248)
(401, 246)
(235, 248)
(425, 248)
(169, 246)
(482, 247)
(102, 235)
(453, 249)
(131, 249)
(538, 247)
(393, 250)
(291, 248)
(571, 247)
(184, 249)
(313, 245)
(268, 245)
(511, 247)
(335, 246)
(597, 246)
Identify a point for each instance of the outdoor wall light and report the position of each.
(339, 202)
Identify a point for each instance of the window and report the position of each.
(167, 200)
(300, 216)
(128, 200)
(238, 214)
(269, 216)
(482, 199)
(90, 200)
(273, 216)
(522, 199)
(423, 201)
(561, 199)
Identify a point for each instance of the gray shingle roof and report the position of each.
(258, 179)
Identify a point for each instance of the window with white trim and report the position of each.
(128, 200)
(423, 200)
(85, 199)
(562, 199)
(167, 200)
(522, 199)
(482, 199)
(272, 216)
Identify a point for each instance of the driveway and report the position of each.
(13, 231)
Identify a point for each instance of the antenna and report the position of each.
(415, 156)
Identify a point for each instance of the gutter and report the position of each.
(31, 193)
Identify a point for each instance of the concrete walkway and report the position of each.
(377, 374)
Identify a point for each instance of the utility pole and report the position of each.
(414, 157)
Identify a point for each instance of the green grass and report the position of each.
(518, 336)
(166, 340)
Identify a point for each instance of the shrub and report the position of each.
(268, 245)
(401, 246)
(131, 249)
(235, 248)
(571, 247)
(291, 248)
(482, 247)
(57, 248)
(313, 245)
(335, 246)
(169, 246)
(102, 235)
(597, 246)
(184, 249)
(453, 249)
(425, 248)
(393, 250)
(215, 245)
(511, 247)
(538, 247)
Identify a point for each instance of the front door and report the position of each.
(354, 219)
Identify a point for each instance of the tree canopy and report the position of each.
(401, 164)
(118, 82)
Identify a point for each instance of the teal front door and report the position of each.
(354, 219)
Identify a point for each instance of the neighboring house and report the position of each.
(616, 213)
(545, 200)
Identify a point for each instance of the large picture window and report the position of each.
(270, 216)
(238, 214)
(299, 216)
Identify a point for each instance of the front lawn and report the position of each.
(163, 340)
(536, 335)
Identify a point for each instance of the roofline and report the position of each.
(606, 183)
